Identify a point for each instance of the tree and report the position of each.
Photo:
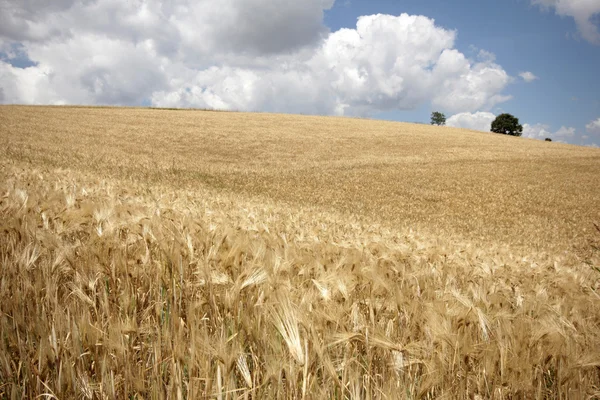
(508, 125)
(438, 118)
(548, 139)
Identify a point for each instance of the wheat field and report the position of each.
(151, 253)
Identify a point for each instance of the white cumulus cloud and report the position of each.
(565, 132)
(594, 127)
(249, 26)
(479, 121)
(542, 131)
(584, 12)
(528, 76)
(536, 131)
(267, 55)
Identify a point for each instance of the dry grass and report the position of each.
(156, 253)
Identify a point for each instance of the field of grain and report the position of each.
(195, 254)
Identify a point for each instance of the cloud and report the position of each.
(253, 55)
(247, 89)
(399, 62)
(485, 55)
(537, 131)
(593, 127)
(85, 69)
(583, 11)
(528, 76)
(565, 132)
(479, 121)
(266, 26)
(14, 54)
(542, 131)
(29, 19)
(470, 87)
(197, 27)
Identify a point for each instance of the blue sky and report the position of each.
(399, 60)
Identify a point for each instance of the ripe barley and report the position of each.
(264, 267)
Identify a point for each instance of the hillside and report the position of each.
(162, 253)
(443, 180)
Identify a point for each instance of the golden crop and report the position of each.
(195, 254)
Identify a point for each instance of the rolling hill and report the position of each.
(186, 253)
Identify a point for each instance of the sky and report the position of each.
(386, 59)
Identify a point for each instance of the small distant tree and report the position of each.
(508, 125)
(548, 139)
(438, 118)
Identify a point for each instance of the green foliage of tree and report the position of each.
(507, 124)
(438, 118)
